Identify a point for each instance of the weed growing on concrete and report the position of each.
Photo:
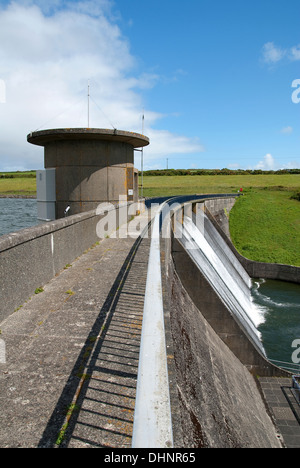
(70, 292)
(70, 410)
(61, 434)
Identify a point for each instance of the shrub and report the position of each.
(296, 196)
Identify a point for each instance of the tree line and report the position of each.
(207, 172)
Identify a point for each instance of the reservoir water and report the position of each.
(16, 214)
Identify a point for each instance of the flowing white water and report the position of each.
(267, 301)
(224, 273)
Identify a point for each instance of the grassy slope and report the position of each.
(265, 226)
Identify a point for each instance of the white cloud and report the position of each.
(165, 142)
(295, 52)
(292, 165)
(267, 164)
(48, 52)
(272, 54)
(287, 130)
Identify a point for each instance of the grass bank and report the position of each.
(265, 226)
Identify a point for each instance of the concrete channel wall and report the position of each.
(32, 257)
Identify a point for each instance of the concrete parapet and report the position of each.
(32, 257)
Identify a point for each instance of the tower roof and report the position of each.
(43, 137)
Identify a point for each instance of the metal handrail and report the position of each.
(152, 418)
(286, 365)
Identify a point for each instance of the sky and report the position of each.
(218, 82)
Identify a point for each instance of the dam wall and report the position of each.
(218, 398)
(220, 209)
(212, 364)
(31, 257)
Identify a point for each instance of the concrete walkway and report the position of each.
(72, 353)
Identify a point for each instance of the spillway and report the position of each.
(223, 271)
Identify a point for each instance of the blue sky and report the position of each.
(213, 78)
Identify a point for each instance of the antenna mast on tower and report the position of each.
(88, 103)
(142, 158)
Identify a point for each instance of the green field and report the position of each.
(22, 184)
(264, 223)
(188, 185)
(18, 187)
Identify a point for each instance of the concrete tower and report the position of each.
(89, 166)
